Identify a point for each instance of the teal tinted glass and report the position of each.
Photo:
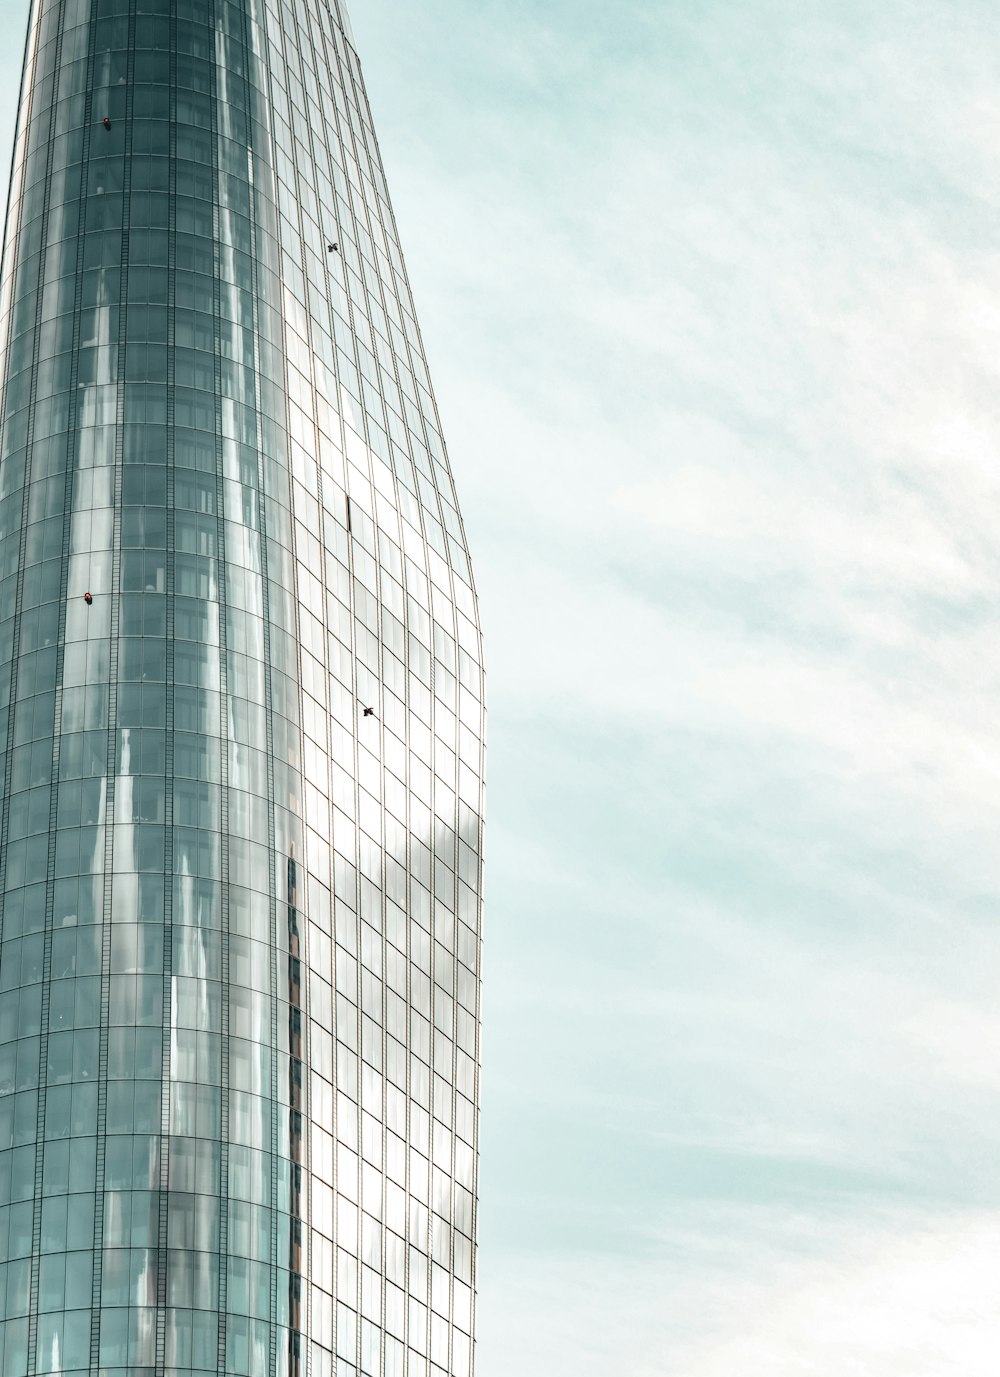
(241, 723)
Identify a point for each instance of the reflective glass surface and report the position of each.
(241, 723)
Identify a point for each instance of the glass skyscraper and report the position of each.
(241, 723)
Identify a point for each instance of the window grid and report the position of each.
(239, 940)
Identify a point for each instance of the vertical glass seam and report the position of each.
(65, 594)
(166, 1038)
(222, 569)
(26, 492)
(114, 594)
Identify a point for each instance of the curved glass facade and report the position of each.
(241, 723)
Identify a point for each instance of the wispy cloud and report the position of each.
(897, 1296)
(721, 330)
(712, 298)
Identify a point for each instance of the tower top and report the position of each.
(340, 8)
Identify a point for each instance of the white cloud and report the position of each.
(759, 1293)
(715, 330)
(918, 1303)
(735, 509)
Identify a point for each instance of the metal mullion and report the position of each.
(326, 519)
(114, 594)
(26, 488)
(68, 487)
(224, 856)
(304, 1217)
(349, 85)
(166, 1041)
(262, 537)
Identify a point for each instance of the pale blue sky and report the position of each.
(711, 295)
